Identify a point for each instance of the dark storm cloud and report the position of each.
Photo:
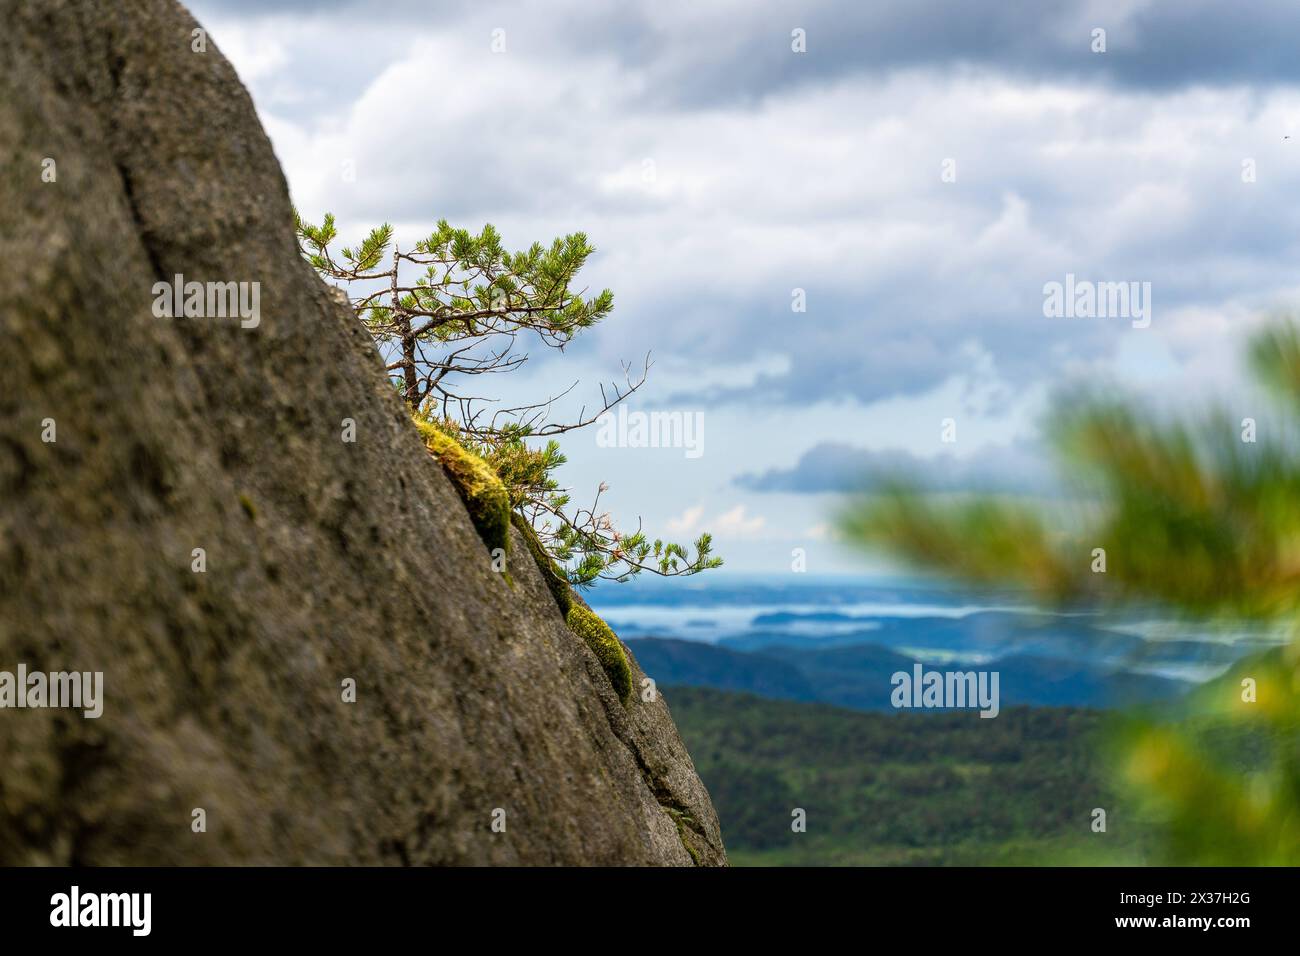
(697, 53)
(1160, 46)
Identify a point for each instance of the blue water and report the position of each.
(930, 620)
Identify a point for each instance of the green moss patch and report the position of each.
(605, 645)
(582, 621)
(484, 495)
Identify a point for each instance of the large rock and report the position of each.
(326, 560)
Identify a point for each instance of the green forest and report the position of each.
(926, 789)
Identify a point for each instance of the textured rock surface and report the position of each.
(325, 560)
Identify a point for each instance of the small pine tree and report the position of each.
(452, 308)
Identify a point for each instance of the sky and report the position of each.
(916, 176)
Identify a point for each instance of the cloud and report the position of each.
(686, 522)
(818, 172)
(836, 467)
(904, 276)
(774, 171)
(737, 524)
(740, 50)
(734, 523)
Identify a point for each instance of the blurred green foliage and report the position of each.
(1200, 518)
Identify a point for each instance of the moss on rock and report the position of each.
(604, 643)
(582, 620)
(484, 495)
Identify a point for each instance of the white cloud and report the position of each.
(687, 522)
(256, 53)
(737, 524)
(734, 523)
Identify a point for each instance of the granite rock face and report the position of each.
(129, 159)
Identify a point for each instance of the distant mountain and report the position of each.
(856, 677)
(982, 633)
(1051, 681)
(859, 676)
(692, 664)
(985, 635)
